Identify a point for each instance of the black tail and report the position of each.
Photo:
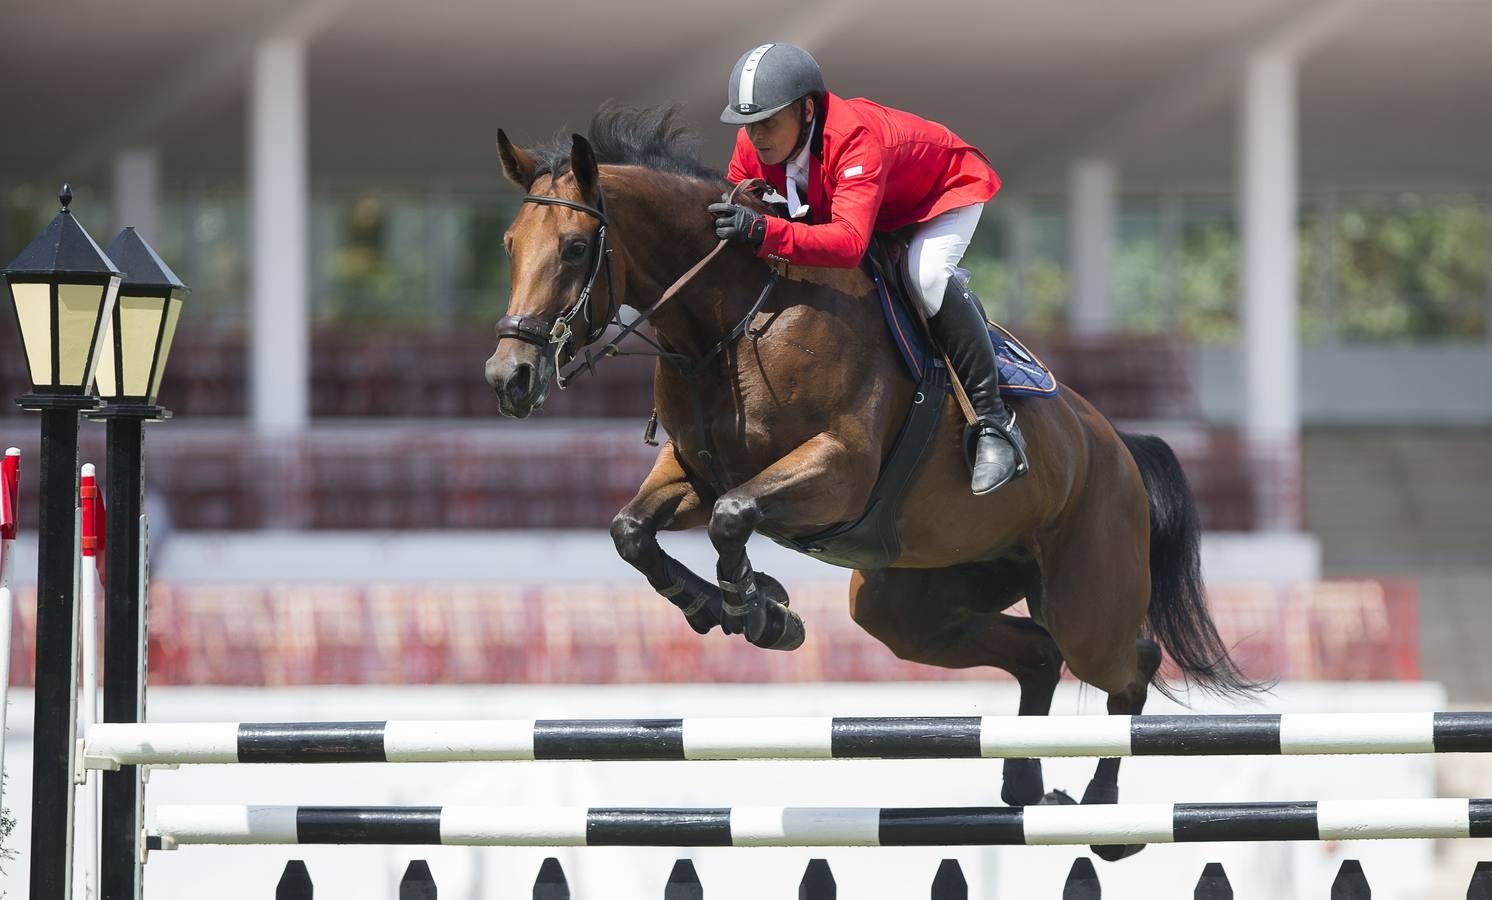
(1178, 617)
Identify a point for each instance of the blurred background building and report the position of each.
(1261, 229)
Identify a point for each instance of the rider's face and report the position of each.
(775, 137)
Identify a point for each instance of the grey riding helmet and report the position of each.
(767, 79)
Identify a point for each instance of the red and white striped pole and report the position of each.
(92, 505)
(10, 490)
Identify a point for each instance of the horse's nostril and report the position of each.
(521, 383)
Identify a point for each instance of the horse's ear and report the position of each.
(518, 164)
(583, 165)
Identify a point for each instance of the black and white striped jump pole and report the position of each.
(788, 738)
(775, 826)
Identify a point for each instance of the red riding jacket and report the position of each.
(871, 168)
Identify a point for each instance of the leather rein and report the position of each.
(558, 337)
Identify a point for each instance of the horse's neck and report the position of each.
(666, 232)
(662, 222)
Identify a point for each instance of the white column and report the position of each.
(1267, 200)
(1091, 224)
(137, 192)
(1268, 194)
(279, 353)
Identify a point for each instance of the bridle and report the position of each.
(559, 338)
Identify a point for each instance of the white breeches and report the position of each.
(935, 250)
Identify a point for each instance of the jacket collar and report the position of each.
(820, 119)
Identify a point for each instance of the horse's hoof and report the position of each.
(1057, 798)
(1100, 792)
(793, 635)
(1021, 784)
(773, 626)
(1115, 852)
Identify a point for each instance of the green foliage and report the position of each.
(1412, 269)
(1047, 287)
(7, 827)
(372, 263)
(1207, 289)
(1373, 268)
(1407, 267)
(206, 240)
(990, 278)
(482, 276)
(1142, 300)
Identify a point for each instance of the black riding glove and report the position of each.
(737, 224)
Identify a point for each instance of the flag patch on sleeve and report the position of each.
(852, 170)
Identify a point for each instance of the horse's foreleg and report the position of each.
(816, 483)
(667, 500)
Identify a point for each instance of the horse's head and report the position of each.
(563, 288)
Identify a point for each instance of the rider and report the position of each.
(849, 167)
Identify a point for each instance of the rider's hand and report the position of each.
(737, 224)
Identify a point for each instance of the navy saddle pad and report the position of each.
(1022, 374)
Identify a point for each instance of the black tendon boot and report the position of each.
(997, 450)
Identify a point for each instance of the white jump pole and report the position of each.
(10, 480)
(88, 817)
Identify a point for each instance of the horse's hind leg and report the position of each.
(1104, 788)
(1095, 612)
(951, 618)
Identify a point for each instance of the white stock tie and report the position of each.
(795, 169)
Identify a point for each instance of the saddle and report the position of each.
(873, 541)
(1021, 373)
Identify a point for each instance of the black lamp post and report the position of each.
(132, 362)
(62, 288)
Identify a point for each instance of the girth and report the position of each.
(873, 541)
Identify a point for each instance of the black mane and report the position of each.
(651, 136)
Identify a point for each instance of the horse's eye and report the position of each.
(574, 250)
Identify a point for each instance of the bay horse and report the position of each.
(780, 414)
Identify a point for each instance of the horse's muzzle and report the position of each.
(521, 385)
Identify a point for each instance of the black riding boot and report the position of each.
(996, 448)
